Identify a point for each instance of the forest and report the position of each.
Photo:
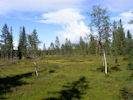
(99, 69)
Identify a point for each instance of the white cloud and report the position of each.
(73, 31)
(7, 6)
(15, 43)
(125, 16)
(71, 21)
(62, 16)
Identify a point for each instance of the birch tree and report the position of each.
(52, 48)
(100, 20)
(34, 41)
(57, 45)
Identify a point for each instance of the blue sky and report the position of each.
(62, 18)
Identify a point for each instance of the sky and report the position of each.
(62, 18)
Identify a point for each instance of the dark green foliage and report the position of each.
(6, 42)
(92, 45)
(52, 49)
(57, 45)
(82, 47)
(130, 60)
(63, 49)
(68, 47)
(22, 47)
(129, 42)
(121, 40)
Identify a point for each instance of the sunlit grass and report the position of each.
(54, 73)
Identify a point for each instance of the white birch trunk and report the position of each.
(36, 68)
(35, 65)
(105, 62)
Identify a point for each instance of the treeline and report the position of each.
(114, 41)
(117, 43)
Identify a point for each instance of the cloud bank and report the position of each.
(7, 6)
(71, 22)
(62, 16)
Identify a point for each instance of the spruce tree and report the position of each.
(121, 38)
(57, 45)
(92, 43)
(82, 46)
(115, 42)
(6, 42)
(22, 47)
(66, 47)
(63, 49)
(129, 42)
(52, 49)
(11, 43)
(130, 60)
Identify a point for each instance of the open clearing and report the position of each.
(66, 78)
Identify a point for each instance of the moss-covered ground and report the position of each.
(66, 78)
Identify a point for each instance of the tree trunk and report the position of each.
(104, 55)
(105, 61)
(11, 54)
(35, 65)
(36, 68)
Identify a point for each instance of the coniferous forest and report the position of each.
(99, 69)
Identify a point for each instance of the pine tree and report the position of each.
(92, 43)
(115, 42)
(52, 49)
(82, 46)
(69, 47)
(106, 37)
(129, 42)
(63, 49)
(57, 45)
(130, 60)
(121, 38)
(6, 42)
(22, 47)
(66, 47)
(11, 43)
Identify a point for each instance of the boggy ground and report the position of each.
(66, 78)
